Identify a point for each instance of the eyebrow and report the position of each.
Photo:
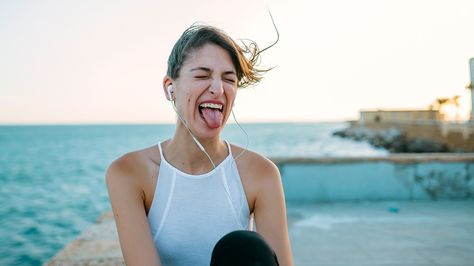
(206, 69)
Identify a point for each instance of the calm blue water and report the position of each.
(52, 177)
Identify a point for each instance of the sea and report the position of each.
(52, 177)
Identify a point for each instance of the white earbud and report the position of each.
(170, 92)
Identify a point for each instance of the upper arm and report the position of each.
(270, 211)
(127, 202)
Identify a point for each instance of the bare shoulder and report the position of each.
(134, 168)
(127, 179)
(259, 174)
(255, 165)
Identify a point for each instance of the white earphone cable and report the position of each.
(192, 135)
(246, 136)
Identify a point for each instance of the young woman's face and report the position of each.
(205, 90)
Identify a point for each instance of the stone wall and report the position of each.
(455, 140)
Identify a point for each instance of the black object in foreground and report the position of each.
(243, 247)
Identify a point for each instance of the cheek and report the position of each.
(231, 95)
(189, 104)
(230, 92)
(186, 97)
(183, 102)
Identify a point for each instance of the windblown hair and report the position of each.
(245, 58)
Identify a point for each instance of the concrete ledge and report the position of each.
(396, 177)
(394, 158)
(97, 245)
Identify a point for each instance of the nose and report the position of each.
(216, 88)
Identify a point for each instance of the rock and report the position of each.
(392, 139)
(418, 145)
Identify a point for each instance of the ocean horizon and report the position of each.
(229, 122)
(52, 176)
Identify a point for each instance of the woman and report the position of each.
(174, 201)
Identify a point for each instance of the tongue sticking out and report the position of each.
(213, 117)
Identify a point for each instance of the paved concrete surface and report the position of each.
(97, 245)
(383, 233)
(345, 233)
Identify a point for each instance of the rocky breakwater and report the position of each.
(392, 139)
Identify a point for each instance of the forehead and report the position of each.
(211, 56)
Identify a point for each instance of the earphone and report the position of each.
(169, 89)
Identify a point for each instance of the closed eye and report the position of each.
(229, 77)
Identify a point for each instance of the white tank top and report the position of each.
(190, 213)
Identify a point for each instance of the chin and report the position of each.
(209, 133)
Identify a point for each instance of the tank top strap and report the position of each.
(228, 147)
(161, 150)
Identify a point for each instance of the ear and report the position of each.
(167, 81)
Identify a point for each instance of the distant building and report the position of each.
(430, 124)
(399, 116)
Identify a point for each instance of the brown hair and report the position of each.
(245, 57)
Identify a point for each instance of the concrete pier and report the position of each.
(396, 210)
(393, 233)
(97, 245)
(416, 233)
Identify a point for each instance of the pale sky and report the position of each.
(104, 61)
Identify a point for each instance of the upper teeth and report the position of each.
(211, 105)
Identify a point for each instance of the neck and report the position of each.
(184, 153)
